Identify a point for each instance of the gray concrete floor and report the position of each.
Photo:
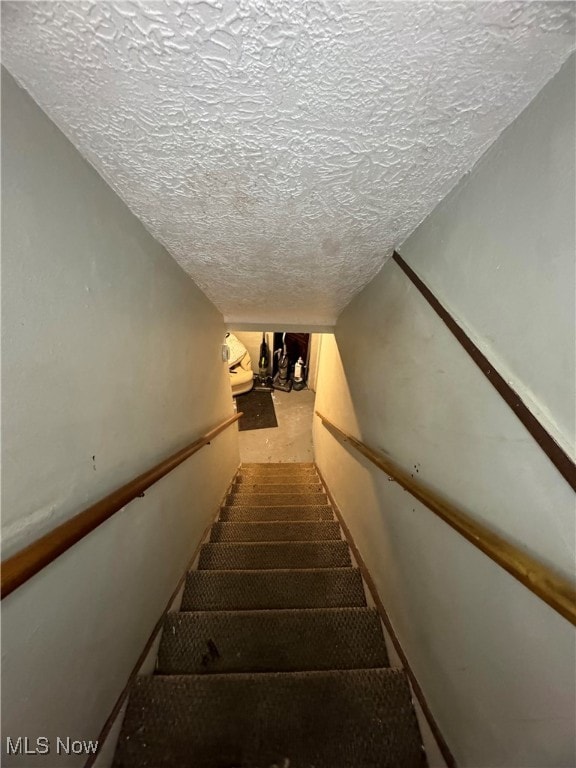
(291, 440)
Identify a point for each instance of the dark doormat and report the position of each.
(258, 410)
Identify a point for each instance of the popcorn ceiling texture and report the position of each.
(281, 150)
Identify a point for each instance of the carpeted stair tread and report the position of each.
(271, 641)
(277, 469)
(274, 499)
(274, 466)
(271, 555)
(274, 660)
(241, 488)
(281, 479)
(279, 513)
(275, 531)
(291, 478)
(254, 590)
(336, 719)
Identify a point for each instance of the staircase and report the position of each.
(274, 659)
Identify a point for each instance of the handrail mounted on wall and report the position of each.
(554, 589)
(16, 570)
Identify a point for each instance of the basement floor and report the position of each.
(291, 440)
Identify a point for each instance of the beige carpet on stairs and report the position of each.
(274, 659)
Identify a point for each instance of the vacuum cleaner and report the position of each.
(282, 380)
(263, 382)
(299, 378)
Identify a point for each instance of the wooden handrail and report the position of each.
(16, 570)
(558, 592)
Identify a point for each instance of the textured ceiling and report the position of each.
(281, 149)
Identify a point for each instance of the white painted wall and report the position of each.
(313, 358)
(499, 254)
(111, 361)
(496, 664)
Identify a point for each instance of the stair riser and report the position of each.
(290, 477)
(242, 489)
(239, 532)
(309, 477)
(299, 476)
(255, 590)
(271, 641)
(274, 466)
(270, 556)
(275, 499)
(275, 514)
